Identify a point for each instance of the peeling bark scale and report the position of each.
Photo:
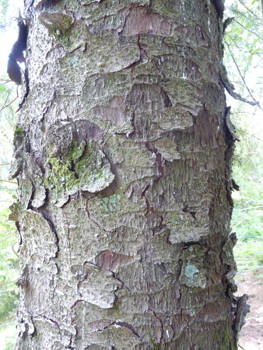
(123, 158)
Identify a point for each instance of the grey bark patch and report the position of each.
(140, 21)
(176, 119)
(98, 287)
(39, 197)
(109, 260)
(168, 149)
(26, 192)
(15, 168)
(185, 228)
(55, 21)
(37, 236)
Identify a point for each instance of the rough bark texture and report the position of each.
(123, 160)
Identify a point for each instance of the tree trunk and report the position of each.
(123, 158)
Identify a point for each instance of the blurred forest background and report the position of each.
(243, 59)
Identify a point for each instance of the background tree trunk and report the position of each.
(123, 160)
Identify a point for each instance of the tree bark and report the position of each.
(123, 158)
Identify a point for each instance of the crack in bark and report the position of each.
(27, 90)
(76, 302)
(160, 162)
(46, 215)
(130, 133)
(93, 2)
(19, 232)
(55, 322)
(50, 319)
(146, 199)
(69, 243)
(123, 284)
(49, 106)
(141, 48)
(162, 328)
(129, 326)
(121, 324)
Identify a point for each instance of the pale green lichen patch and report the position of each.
(82, 168)
(190, 271)
(116, 210)
(194, 272)
(194, 276)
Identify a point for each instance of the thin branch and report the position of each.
(247, 270)
(5, 106)
(251, 199)
(232, 40)
(14, 249)
(8, 93)
(7, 324)
(236, 82)
(7, 236)
(251, 31)
(10, 182)
(4, 164)
(258, 62)
(5, 80)
(248, 208)
(241, 76)
(244, 132)
(252, 13)
(240, 220)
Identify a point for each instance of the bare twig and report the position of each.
(240, 220)
(10, 182)
(241, 76)
(7, 236)
(7, 324)
(232, 40)
(251, 31)
(14, 249)
(5, 106)
(252, 13)
(5, 80)
(248, 208)
(251, 199)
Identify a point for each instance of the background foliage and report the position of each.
(244, 62)
(8, 236)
